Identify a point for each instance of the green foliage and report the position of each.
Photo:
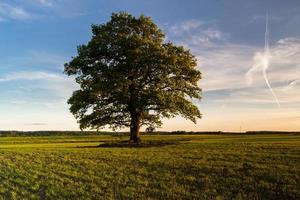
(170, 167)
(129, 76)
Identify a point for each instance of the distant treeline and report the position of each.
(50, 133)
(82, 133)
(228, 133)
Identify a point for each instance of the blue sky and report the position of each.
(39, 36)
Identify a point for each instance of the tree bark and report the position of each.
(135, 127)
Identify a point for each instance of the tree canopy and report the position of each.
(130, 77)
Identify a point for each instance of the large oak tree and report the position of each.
(130, 77)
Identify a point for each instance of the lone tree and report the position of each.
(129, 77)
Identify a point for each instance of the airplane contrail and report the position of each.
(262, 62)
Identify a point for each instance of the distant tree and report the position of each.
(150, 129)
(129, 77)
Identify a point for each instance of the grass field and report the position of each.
(167, 167)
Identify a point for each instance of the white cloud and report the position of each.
(224, 64)
(224, 67)
(34, 60)
(35, 75)
(18, 102)
(293, 84)
(39, 9)
(214, 34)
(284, 62)
(11, 12)
(46, 58)
(186, 26)
(59, 85)
(45, 2)
(37, 95)
(262, 17)
(195, 32)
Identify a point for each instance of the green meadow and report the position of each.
(163, 167)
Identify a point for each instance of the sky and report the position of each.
(38, 36)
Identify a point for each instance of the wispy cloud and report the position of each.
(45, 2)
(195, 32)
(36, 95)
(53, 88)
(224, 64)
(18, 102)
(31, 75)
(37, 124)
(13, 12)
(293, 84)
(39, 10)
(226, 69)
(35, 60)
(186, 26)
(262, 17)
(285, 62)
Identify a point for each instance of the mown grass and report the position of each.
(166, 167)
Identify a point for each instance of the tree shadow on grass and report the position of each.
(127, 144)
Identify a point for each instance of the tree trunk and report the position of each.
(134, 114)
(135, 128)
